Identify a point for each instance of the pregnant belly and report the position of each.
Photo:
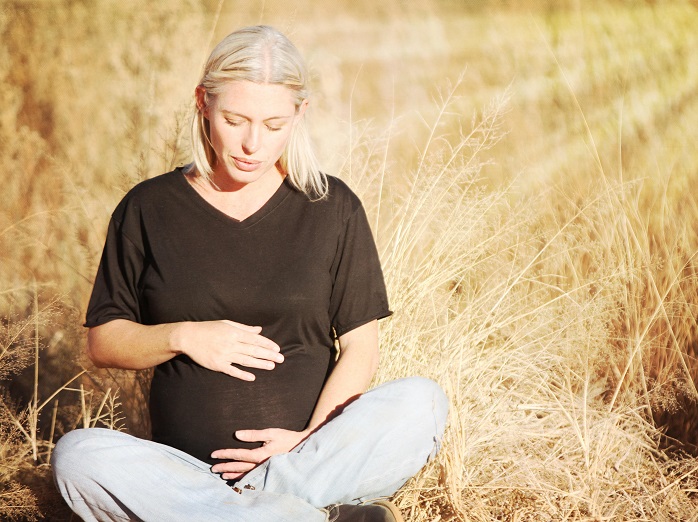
(198, 410)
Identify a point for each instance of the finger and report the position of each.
(254, 435)
(228, 454)
(233, 371)
(233, 467)
(254, 339)
(252, 362)
(246, 456)
(232, 476)
(246, 327)
(230, 365)
(266, 353)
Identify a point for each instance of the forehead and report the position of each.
(264, 100)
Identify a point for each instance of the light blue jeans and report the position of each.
(368, 451)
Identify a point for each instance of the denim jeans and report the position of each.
(368, 451)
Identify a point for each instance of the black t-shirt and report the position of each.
(306, 271)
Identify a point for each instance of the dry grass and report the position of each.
(540, 255)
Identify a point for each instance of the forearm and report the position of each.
(352, 373)
(131, 346)
(223, 346)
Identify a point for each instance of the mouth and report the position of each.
(246, 165)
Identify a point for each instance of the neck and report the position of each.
(238, 200)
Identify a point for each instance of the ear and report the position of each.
(201, 104)
(301, 111)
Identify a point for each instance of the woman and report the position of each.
(233, 277)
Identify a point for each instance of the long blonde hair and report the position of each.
(260, 54)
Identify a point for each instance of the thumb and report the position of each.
(252, 435)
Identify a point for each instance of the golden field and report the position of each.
(528, 167)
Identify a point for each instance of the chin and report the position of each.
(235, 176)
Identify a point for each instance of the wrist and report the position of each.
(303, 435)
(312, 427)
(177, 338)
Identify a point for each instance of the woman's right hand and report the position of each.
(223, 346)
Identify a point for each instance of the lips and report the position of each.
(246, 165)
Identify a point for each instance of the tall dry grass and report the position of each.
(535, 219)
(558, 339)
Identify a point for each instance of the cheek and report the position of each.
(215, 134)
(280, 143)
(225, 137)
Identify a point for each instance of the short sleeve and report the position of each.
(358, 293)
(115, 292)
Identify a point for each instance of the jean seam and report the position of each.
(438, 434)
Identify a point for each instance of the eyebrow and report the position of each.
(231, 113)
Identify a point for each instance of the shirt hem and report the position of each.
(352, 326)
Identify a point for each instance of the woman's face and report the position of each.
(250, 126)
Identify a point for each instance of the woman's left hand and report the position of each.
(274, 441)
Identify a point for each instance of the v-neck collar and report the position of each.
(274, 201)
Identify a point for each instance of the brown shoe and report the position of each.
(392, 508)
(378, 511)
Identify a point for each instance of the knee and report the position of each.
(419, 401)
(74, 452)
(67, 449)
(425, 398)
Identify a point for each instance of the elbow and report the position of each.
(92, 349)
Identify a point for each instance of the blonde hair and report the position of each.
(260, 54)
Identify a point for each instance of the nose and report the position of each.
(251, 140)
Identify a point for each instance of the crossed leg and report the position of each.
(369, 450)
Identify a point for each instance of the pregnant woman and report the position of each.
(250, 282)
